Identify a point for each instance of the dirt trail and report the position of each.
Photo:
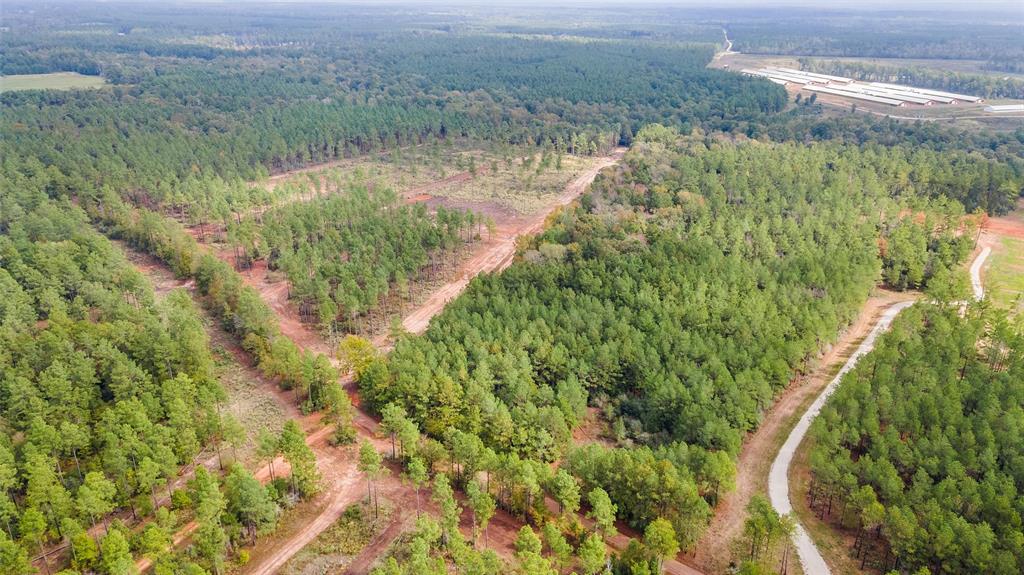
(778, 477)
(366, 558)
(497, 252)
(343, 484)
(163, 281)
(1011, 225)
(759, 447)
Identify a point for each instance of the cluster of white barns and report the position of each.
(878, 92)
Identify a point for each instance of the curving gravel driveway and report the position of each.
(778, 478)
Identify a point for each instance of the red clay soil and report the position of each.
(496, 253)
(410, 194)
(343, 484)
(163, 281)
(427, 189)
(759, 448)
(1010, 225)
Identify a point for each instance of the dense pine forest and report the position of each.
(363, 246)
(992, 38)
(919, 452)
(611, 373)
(110, 407)
(719, 270)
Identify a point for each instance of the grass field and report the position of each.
(519, 180)
(524, 187)
(1005, 275)
(55, 81)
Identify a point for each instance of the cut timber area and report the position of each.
(497, 252)
(342, 484)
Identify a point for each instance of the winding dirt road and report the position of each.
(778, 478)
(811, 559)
(756, 455)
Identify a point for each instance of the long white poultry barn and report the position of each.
(825, 77)
(855, 95)
(912, 97)
(927, 92)
(1005, 108)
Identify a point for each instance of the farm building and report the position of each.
(1005, 108)
(823, 78)
(878, 92)
(909, 97)
(927, 92)
(855, 95)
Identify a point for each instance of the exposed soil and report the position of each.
(1010, 225)
(497, 252)
(163, 281)
(343, 484)
(593, 429)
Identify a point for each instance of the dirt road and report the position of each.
(1011, 225)
(778, 478)
(343, 484)
(163, 281)
(497, 252)
(976, 286)
(713, 552)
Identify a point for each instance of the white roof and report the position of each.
(789, 77)
(786, 78)
(855, 95)
(1005, 108)
(963, 97)
(812, 74)
(894, 94)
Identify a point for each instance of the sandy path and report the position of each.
(1011, 225)
(497, 252)
(976, 286)
(778, 478)
(343, 483)
(759, 447)
(345, 488)
(163, 281)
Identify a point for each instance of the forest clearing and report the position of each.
(494, 255)
(54, 81)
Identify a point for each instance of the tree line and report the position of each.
(108, 396)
